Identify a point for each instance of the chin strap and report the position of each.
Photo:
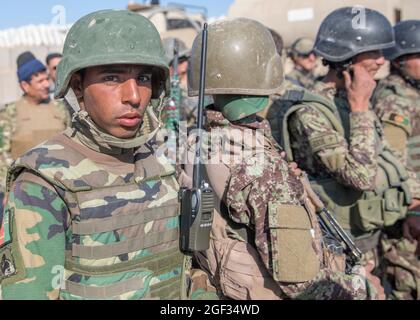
(95, 138)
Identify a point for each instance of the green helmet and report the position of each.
(241, 59)
(113, 37)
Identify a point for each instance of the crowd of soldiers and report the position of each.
(93, 212)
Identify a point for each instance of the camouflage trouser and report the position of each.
(397, 266)
(401, 268)
(201, 288)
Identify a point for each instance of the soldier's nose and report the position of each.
(380, 61)
(131, 93)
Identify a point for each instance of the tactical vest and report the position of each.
(34, 124)
(123, 239)
(361, 213)
(413, 143)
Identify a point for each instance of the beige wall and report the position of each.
(411, 9)
(284, 15)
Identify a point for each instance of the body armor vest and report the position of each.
(34, 124)
(360, 212)
(122, 238)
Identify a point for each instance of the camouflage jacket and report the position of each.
(301, 78)
(397, 104)
(38, 237)
(358, 150)
(8, 127)
(255, 184)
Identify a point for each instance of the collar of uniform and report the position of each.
(215, 119)
(86, 138)
(397, 78)
(24, 100)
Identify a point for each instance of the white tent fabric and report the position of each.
(33, 35)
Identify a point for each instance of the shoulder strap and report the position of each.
(304, 98)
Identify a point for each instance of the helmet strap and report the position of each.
(95, 138)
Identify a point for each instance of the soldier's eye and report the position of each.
(111, 78)
(145, 78)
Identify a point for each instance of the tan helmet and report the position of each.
(241, 59)
(302, 46)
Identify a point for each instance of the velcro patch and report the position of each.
(324, 142)
(11, 264)
(7, 263)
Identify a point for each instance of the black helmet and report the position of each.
(348, 31)
(407, 39)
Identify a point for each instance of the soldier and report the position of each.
(52, 61)
(397, 103)
(187, 105)
(93, 212)
(304, 59)
(338, 140)
(32, 119)
(397, 97)
(265, 241)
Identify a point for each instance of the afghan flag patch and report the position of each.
(5, 237)
(399, 119)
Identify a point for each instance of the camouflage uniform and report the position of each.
(355, 169)
(35, 128)
(265, 240)
(301, 77)
(397, 104)
(252, 254)
(89, 215)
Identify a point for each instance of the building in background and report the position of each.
(301, 18)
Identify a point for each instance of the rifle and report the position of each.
(197, 203)
(331, 228)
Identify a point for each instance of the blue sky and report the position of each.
(15, 13)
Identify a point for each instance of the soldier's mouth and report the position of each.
(131, 119)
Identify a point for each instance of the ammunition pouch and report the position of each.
(292, 235)
(363, 212)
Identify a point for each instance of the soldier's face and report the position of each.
(412, 66)
(306, 62)
(371, 61)
(38, 87)
(52, 68)
(115, 97)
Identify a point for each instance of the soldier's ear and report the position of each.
(25, 86)
(76, 83)
(396, 63)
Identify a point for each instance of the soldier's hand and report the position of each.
(359, 87)
(411, 230)
(295, 169)
(375, 281)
